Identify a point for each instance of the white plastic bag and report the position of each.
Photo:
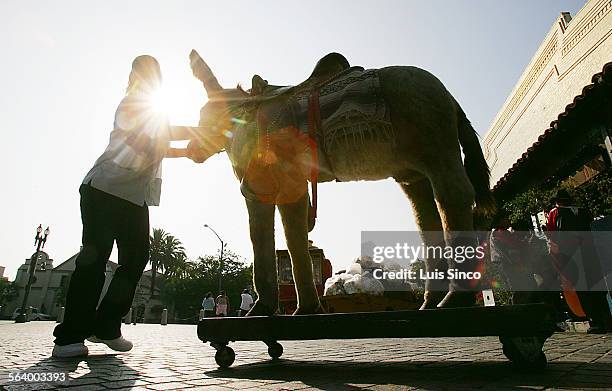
(366, 263)
(371, 285)
(334, 285)
(392, 285)
(390, 266)
(353, 285)
(355, 268)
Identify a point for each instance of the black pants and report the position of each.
(106, 219)
(595, 305)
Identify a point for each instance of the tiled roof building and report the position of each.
(556, 120)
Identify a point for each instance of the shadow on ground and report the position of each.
(498, 375)
(93, 369)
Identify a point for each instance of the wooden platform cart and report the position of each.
(522, 329)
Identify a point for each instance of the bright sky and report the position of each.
(65, 66)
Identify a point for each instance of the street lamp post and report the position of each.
(220, 254)
(39, 241)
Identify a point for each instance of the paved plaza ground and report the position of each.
(171, 357)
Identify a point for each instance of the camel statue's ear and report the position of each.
(202, 72)
(258, 85)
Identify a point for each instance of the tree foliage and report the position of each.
(528, 203)
(8, 291)
(492, 278)
(60, 295)
(166, 254)
(595, 196)
(187, 290)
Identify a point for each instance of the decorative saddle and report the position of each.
(328, 67)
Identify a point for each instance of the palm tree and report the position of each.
(174, 257)
(156, 253)
(175, 266)
(166, 255)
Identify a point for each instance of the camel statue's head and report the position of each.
(227, 111)
(226, 107)
(228, 122)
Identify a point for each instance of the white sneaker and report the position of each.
(71, 350)
(118, 344)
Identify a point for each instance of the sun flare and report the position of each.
(178, 103)
(159, 101)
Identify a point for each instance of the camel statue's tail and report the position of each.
(475, 166)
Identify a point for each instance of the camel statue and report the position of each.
(347, 124)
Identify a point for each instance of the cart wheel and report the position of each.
(524, 352)
(225, 356)
(275, 350)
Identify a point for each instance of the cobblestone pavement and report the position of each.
(171, 357)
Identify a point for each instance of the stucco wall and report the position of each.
(572, 51)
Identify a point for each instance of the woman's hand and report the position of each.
(198, 152)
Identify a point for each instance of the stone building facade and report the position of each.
(48, 291)
(561, 71)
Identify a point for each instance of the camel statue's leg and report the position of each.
(265, 280)
(295, 222)
(428, 220)
(454, 195)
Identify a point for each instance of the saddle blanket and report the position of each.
(352, 109)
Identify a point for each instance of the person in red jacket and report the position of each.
(568, 229)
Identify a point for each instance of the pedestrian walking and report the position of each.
(246, 302)
(208, 305)
(222, 302)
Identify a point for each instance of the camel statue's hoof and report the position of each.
(431, 300)
(260, 309)
(306, 311)
(458, 299)
(429, 305)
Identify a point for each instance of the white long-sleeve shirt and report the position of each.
(130, 167)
